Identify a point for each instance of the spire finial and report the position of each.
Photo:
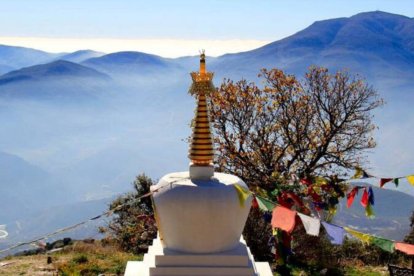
(201, 147)
(202, 62)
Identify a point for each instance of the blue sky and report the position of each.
(258, 21)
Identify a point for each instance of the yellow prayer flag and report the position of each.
(365, 238)
(320, 180)
(410, 179)
(358, 173)
(242, 192)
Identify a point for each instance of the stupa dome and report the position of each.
(199, 215)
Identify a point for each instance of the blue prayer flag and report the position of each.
(335, 233)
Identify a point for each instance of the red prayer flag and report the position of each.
(255, 204)
(384, 180)
(306, 181)
(350, 197)
(405, 247)
(283, 218)
(365, 198)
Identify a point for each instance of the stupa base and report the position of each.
(162, 262)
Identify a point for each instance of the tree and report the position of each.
(133, 226)
(292, 140)
(289, 127)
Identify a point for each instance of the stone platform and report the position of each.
(162, 262)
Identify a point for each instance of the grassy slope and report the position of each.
(77, 259)
(83, 258)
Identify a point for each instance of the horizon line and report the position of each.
(164, 47)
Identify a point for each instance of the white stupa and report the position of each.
(199, 214)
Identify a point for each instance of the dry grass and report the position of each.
(77, 259)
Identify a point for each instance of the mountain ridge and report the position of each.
(57, 68)
(63, 80)
(352, 43)
(81, 55)
(18, 57)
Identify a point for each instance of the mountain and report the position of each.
(392, 209)
(375, 44)
(56, 79)
(80, 56)
(5, 68)
(25, 188)
(56, 69)
(135, 64)
(18, 57)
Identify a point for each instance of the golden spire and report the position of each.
(201, 147)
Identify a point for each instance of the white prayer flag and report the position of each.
(312, 225)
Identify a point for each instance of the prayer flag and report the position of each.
(242, 192)
(371, 199)
(366, 238)
(396, 181)
(312, 225)
(265, 204)
(410, 179)
(405, 247)
(360, 174)
(384, 180)
(335, 233)
(321, 181)
(384, 244)
(365, 175)
(351, 196)
(369, 212)
(254, 203)
(306, 181)
(364, 199)
(283, 218)
(267, 216)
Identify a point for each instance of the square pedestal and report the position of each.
(162, 262)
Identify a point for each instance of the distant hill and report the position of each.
(136, 64)
(56, 69)
(55, 79)
(5, 68)
(18, 57)
(25, 188)
(80, 56)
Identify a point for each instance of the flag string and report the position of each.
(335, 236)
(362, 174)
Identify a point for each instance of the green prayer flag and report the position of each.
(265, 204)
(396, 181)
(384, 244)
